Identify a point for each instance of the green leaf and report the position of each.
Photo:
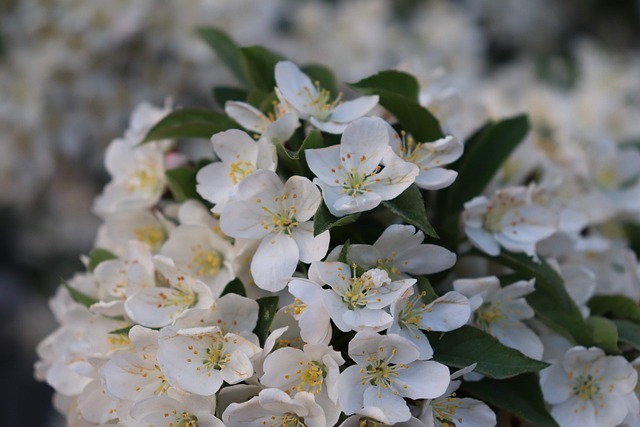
(489, 149)
(223, 94)
(633, 234)
(322, 75)
(466, 345)
(258, 64)
(343, 256)
(267, 310)
(605, 333)
(190, 123)
(122, 331)
(616, 306)
(323, 220)
(391, 81)
(234, 287)
(413, 117)
(97, 255)
(313, 140)
(227, 50)
(628, 333)
(410, 207)
(79, 297)
(424, 285)
(519, 395)
(550, 300)
(182, 183)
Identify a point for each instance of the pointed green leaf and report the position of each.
(259, 63)
(190, 123)
(550, 300)
(392, 81)
(97, 255)
(223, 94)
(343, 256)
(628, 333)
(122, 331)
(519, 395)
(323, 220)
(79, 297)
(226, 49)
(424, 285)
(462, 347)
(322, 75)
(234, 287)
(482, 159)
(605, 333)
(616, 306)
(267, 310)
(182, 183)
(410, 207)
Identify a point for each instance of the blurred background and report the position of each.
(71, 71)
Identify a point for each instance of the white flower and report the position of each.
(500, 311)
(411, 316)
(122, 226)
(280, 216)
(314, 103)
(135, 374)
(201, 253)
(176, 411)
(508, 219)
(172, 295)
(357, 303)
(588, 389)
(138, 177)
(240, 156)
(198, 360)
(430, 157)
(399, 250)
(386, 372)
(310, 312)
(276, 128)
(350, 174)
(273, 407)
(451, 411)
(314, 369)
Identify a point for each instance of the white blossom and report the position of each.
(240, 156)
(280, 216)
(500, 312)
(315, 103)
(386, 372)
(273, 407)
(588, 389)
(350, 174)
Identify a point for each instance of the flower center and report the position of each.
(141, 178)
(240, 170)
(356, 183)
(497, 209)
(444, 411)
(286, 420)
(283, 220)
(217, 358)
(361, 289)
(410, 316)
(312, 378)
(177, 297)
(206, 263)
(487, 314)
(164, 384)
(381, 373)
(151, 235)
(409, 149)
(585, 387)
(321, 105)
(187, 420)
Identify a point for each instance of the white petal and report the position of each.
(274, 262)
(364, 144)
(423, 380)
(436, 179)
(311, 248)
(446, 313)
(295, 86)
(326, 165)
(247, 115)
(349, 111)
(233, 145)
(329, 127)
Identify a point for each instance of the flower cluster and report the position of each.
(294, 278)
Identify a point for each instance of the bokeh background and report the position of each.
(71, 71)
